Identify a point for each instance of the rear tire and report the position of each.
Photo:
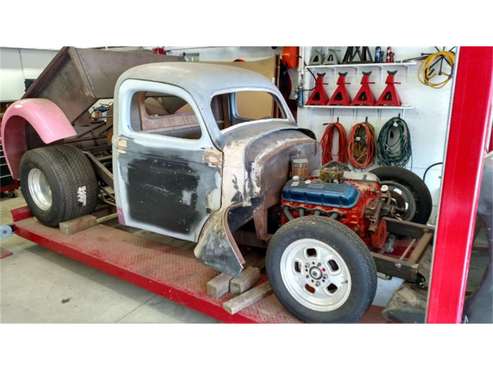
(58, 183)
(336, 282)
(412, 183)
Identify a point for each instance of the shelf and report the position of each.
(371, 107)
(359, 65)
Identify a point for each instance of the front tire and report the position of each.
(58, 183)
(321, 271)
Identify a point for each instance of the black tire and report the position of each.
(70, 177)
(414, 184)
(348, 245)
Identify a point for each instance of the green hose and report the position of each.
(394, 143)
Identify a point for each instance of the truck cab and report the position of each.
(188, 164)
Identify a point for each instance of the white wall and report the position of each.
(225, 54)
(427, 122)
(16, 65)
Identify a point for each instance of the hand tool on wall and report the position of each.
(364, 96)
(318, 95)
(389, 95)
(340, 95)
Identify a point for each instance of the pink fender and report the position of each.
(44, 116)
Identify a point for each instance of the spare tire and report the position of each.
(407, 182)
(58, 183)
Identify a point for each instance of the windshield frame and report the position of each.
(281, 103)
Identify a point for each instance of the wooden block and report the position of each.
(77, 224)
(245, 280)
(248, 298)
(219, 285)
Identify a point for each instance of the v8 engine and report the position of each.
(358, 200)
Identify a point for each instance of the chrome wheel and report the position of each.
(315, 275)
(39, 189)
(403, 199)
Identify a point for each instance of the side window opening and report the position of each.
(237, 107)
(163, 114)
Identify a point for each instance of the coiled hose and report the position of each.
(327, 139)
(427, 72)
(394, 143)
(361, 145)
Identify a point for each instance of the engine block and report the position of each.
(355, 203)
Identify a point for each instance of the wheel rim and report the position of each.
(39, 189)
(403, 198)
(315, 275)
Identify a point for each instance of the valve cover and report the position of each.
(321, 193)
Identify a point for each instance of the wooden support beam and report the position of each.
(77, 224)
(420, 247)
(245, 280)
(84, 222)
(248, 298)
(219, 285)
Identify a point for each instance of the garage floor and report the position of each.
(70, 291)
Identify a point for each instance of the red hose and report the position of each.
(361, 145)
(326, 143)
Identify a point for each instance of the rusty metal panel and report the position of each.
(76, 78)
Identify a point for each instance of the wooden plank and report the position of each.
(245, 280)
(248, 298)
(219, 285)
(420, 247)
(77, 224)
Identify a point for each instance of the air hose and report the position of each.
(361, 145)
(327, 139)
(427, 71)
(394, 143)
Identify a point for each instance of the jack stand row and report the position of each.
(364, 96)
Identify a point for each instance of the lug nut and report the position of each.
(318, 283)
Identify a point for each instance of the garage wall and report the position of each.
(16, 65)
(427, 122)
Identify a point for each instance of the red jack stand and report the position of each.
(340, 95)
(364, 96)
(319, 95)
(389, 95)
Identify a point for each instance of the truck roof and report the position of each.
(199, 78)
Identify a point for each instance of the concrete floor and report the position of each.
(37, 285)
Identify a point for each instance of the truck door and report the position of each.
(167, 171)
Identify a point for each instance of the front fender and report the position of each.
(46, 118)
(216, 246)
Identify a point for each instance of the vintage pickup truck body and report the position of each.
(214, 184)
(200, 190)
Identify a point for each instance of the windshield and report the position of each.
(236, 107)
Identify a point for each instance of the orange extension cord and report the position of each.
(326, 143)
(361, 145)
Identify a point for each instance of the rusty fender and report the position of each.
(217, 247)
